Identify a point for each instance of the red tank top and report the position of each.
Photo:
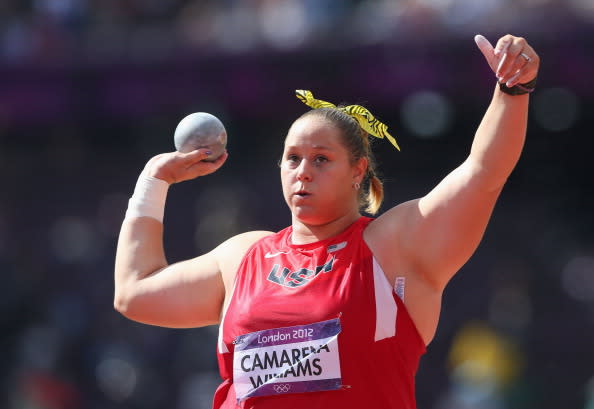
(319, 326)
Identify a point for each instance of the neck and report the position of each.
(304, 233)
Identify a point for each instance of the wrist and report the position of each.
(148, 199)
(518, 89)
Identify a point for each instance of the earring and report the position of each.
(357, 185)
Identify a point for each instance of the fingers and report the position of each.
(202, 167)
(195, 155)
(512, 59)
(174, 167)
(518, 63)
(488, 51)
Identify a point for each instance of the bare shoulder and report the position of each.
(395, 218)
(387, 232)
(230, 253)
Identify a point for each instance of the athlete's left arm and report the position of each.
(436, 234)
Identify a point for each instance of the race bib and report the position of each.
(297, 359)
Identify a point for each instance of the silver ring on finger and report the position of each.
(526, 57)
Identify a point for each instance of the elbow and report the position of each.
(122, 301)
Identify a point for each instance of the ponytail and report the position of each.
(375, 193)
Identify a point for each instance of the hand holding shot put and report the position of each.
(200, 140)
(336, 310)
(175, 167)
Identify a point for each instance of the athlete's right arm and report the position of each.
(185, 294)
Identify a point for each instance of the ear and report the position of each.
(360, 169)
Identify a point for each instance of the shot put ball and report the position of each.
(201, 130)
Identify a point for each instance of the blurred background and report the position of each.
(91, 89)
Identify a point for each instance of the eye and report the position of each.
(321, 159)
(292, 159)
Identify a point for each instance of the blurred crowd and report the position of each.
(90, 89)
(58, 31)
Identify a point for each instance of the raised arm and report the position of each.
(147, 289)
(432, 237)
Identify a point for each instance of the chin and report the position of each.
(306, 216)
(310, 217)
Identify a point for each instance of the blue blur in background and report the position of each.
(91, 89)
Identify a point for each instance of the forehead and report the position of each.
(313, 131)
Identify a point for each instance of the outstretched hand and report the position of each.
(512, 60)
(174, 167)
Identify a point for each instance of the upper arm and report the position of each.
(189, 293)
(435, 235)
(185, 294)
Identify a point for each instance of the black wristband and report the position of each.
(518, 89)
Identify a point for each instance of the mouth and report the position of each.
(302, 193)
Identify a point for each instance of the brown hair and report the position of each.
(356, 140)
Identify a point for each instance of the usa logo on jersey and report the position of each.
(298, 278)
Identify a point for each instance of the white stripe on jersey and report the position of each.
(385, 305)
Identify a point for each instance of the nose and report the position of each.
(304, 171)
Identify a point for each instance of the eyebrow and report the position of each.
(316, 147)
